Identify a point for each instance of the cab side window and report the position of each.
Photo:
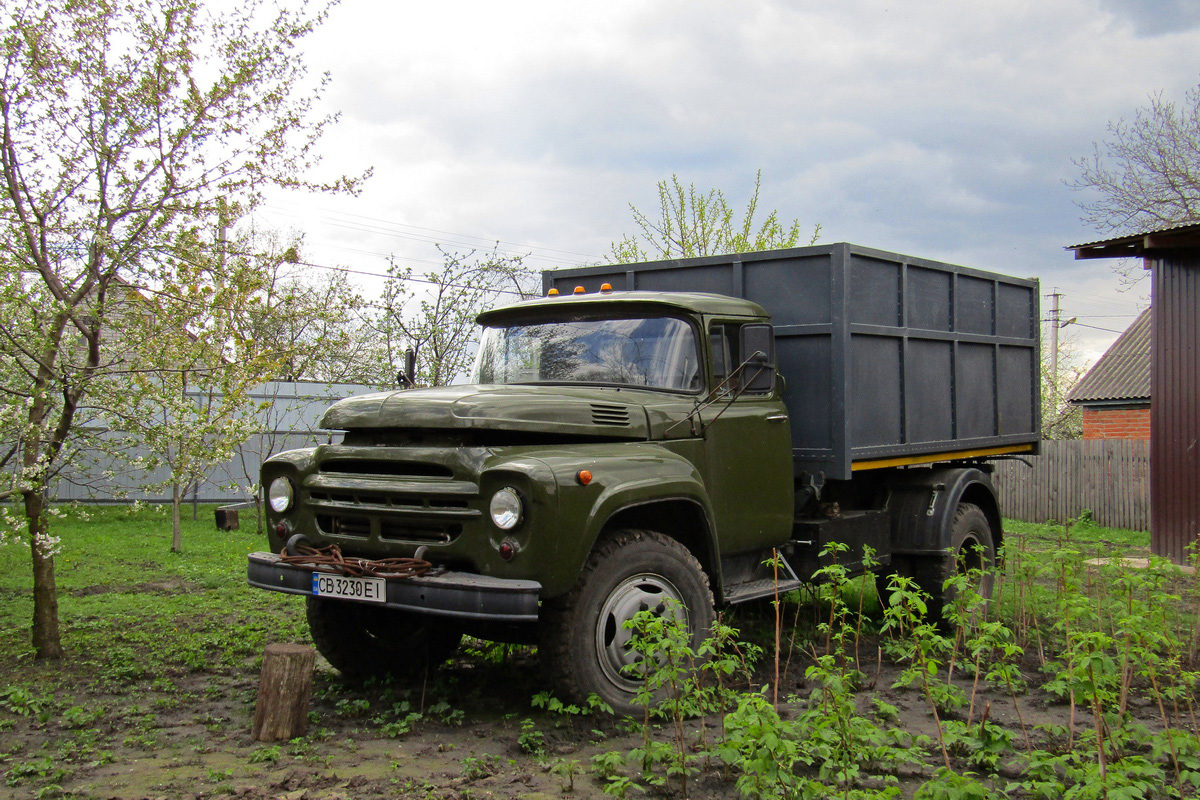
(724, 346)
(726, 343)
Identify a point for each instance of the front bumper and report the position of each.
(465, 595)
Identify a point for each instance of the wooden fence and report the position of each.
(1109, 477)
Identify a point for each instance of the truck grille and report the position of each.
(360, 527)
(605, 414)
(396, 469)
(372, 501)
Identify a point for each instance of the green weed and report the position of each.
(266, 755)
(45, 768)
(531, 740)
(566, 769)
(23, 702)
(476, 768)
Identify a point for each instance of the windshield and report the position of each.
(657, 352)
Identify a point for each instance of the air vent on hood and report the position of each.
(603, 414)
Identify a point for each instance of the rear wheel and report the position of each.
(972, 552)
(585, 645)
(362, 641)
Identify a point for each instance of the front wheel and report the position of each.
(585, 643)
(363, 641)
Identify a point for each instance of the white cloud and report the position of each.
(936, 127)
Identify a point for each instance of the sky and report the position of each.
(944, 129)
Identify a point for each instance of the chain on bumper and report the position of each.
(331, 559)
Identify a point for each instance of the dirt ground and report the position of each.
(478, 737)
(199, 743)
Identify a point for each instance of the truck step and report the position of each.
(754, 590)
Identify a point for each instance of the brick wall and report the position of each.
(1116, 423)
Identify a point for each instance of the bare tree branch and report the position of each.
(1146, 173)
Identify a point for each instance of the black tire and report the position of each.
(972, 547)
(363, 641)
(583, 640)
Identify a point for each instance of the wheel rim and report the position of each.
(971, 555)
(637, 593)
(975, 561)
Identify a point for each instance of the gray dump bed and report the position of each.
(888, 359)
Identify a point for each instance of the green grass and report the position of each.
(1083, 532)
(120, 586)
(99, 545)
(130, 608)
(124, 598)
(151, 637)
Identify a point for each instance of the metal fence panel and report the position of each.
(288, 416)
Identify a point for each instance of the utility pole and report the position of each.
(1054, 326)
(1056, 322)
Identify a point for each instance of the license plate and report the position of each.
(368, 589)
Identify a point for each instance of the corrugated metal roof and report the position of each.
(1122, 373)
(1136, 244)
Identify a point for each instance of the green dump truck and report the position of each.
(646, 436)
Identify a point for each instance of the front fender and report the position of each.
(623, 476)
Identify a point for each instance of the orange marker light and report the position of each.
(606, 288)
(552, 293)
(578, 290)
(584, 477)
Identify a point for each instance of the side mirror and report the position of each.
(756, 347)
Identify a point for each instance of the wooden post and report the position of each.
(284, 687)
(227, 519)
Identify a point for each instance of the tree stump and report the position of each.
(284, 687)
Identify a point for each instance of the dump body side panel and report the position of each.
(888, 359)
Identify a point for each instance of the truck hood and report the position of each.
(620, 414)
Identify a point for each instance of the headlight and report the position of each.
(279, 495)
(506, 509)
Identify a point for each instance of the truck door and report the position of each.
(748, 451)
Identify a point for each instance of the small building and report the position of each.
(1173, 257)
(1115, 393)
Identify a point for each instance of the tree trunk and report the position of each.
(176, 532)
(47, 642)
(284, 687)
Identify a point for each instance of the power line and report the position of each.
(392, 228)
(1107, 316)
(208, 304)
(375, 253)
(427, 240)
(1091, 299)
(1095, 328)
(407, 278)
(413, 237)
